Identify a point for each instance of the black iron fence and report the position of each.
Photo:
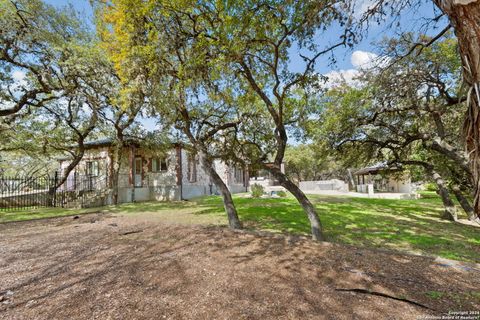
(20, 193)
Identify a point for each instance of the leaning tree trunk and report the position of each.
(228, 204)
(316, 226)
(465, 204)
(450, 212)
(76, 160)
(464, 16)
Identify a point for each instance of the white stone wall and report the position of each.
(202, 177)
(164, 178)
(323, 185)
(400, 184)
(395, 184)
(201, 186)
(222, 170)
(227, 173)
(100, 155)
(261, 181)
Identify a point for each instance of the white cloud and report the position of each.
(336, 78)
(18, 75)
(19, 79)
(363, 59)
(360, 60)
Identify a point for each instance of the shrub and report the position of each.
(257, 190)
(281, 194)
(430, 186)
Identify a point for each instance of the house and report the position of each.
(172, 173)
(381, 178)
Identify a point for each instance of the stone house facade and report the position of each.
(146, 174)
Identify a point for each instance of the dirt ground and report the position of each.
(103, 266)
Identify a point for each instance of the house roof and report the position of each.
(99, 142)
(376, 168)
(107, 142)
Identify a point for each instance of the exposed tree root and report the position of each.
(380, 294)
(130, 232)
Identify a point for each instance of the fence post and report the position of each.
(55, 181)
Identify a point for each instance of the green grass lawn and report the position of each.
(405, 225)
(41, 213)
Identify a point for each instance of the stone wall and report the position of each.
(162, 185)
(323, 185)
(227, 173)
(100, 155)
(25, 200)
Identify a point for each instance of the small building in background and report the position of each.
(381, 178)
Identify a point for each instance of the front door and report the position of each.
(138, 172)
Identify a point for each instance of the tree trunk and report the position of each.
(465, 204)
(76, 160)
(460, 157)
(464, 18)
(316, 226)
(228, 204)
(351, 180)
(450, 212)
(58, 182)
(117, 158)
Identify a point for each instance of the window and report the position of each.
(192, 168)
(238, 175)
(138, 165)
(92, 168)
(163, 164)
(159, 164)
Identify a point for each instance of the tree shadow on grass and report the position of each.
(402, 224)
(406, 225)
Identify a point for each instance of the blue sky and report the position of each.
(409, 21)
(348, 60)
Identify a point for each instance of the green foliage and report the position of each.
(281, 194)
(66, 80)
(387, 118)
(458, 297)
(256, 190)
(212, 60)
(430, 186)
(40, 48)
(311, 162)
(339, 126)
